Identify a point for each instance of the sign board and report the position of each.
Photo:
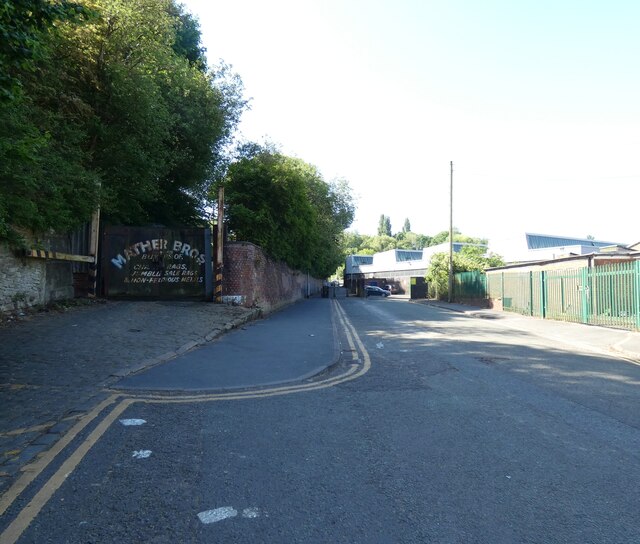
(157, 263)
(418, 287)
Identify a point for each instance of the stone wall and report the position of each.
(26, 281)
(250, 278)
(255, 280)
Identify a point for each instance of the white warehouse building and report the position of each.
(393, 268)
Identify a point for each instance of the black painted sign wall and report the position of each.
(157, 263)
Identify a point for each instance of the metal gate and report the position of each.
(157, 263)
(418, 287)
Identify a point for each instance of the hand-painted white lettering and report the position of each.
(119, 261)
(218, 514)
(141, 454)
(251, 513)
(177, 246)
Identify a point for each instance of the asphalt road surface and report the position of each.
(434, 427)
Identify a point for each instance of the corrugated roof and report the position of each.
(543, 241)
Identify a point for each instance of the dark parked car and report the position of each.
(373, 291)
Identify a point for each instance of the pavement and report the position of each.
(56, 366)
(602, 340)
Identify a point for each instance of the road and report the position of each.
(433, 427)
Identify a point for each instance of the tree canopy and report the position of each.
(468, 259)
(283, 205)
(384, 226)
(110, 103)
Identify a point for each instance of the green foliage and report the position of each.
(384, 226)
(469, 259)
(412, 240)
(283, 205)
(23, 37)
(407, 225)
(362, 244)
(116, 109)
(443, 237)
(187, 37)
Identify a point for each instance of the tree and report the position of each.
(443, 237)
(120, 110)
(24, 26)
(384, 226)
(469, 259)
(44, 182)
(407, 226)
(283, 205)
(411, 240)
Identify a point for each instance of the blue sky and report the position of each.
(536, 103)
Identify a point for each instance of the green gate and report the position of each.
(607, 295)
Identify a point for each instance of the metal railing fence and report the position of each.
(607, 295)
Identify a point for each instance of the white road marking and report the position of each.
(219, 514)
(380, 345)
(127, 422)
(251, 513)
(141, 454)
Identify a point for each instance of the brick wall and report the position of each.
(261, 281)
(249, 274)
(30, 282)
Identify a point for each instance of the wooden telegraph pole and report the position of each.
(219, 247)
(450, 296)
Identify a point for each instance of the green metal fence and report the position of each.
(470, 285)
(607, 295)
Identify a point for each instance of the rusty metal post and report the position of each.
(219, 247)
(93, 252)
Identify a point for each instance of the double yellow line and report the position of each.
(358, 366)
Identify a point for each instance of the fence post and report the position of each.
(585, 294)
(543, 295)
(531, 293)
(636, 285)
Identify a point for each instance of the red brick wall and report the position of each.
(261, 281)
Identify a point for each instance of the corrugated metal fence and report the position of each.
(607, 295)
(470, 285)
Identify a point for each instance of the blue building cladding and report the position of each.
(403, 255)
(541, 241)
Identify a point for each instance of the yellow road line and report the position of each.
(33, 470)
(13, 532)
(351, 374)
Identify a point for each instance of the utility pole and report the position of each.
(450, 295)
